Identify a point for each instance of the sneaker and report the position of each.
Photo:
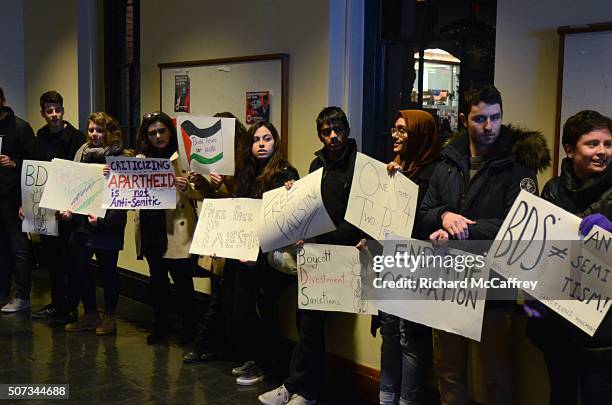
(16, 305)
(107, 326)
(196, 356)
(279, 396)
(48, 311)
(88, 322)
(65, 317)
(297, 399)
(252, 376)
(240, 370)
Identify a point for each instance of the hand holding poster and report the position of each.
(74, 186)
(294, 214)
(227, 227)
(380, 203)
(540, 242)
(329, 279)
(136, 183)
(34, 176)
(206, 144)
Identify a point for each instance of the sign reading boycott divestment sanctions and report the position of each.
(227, 227)
(539, 241)
(329, 279)
(137, 183)
(206, 144)
(74, 186)
(380, 203)
(290, 215)
(34, 175)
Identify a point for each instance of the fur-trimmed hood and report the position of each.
(529, 147)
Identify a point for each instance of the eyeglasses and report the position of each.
(338, 130)
(399, 132)
(150, 115)
(154, 132)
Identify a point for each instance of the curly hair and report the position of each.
(110, 127)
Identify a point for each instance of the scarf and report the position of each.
(423, 144)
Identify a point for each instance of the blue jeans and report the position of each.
(404, 354)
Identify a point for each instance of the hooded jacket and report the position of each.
(17, 139)
(510, 166)
(335, 191)
(581, 199)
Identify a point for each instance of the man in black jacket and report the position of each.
(15, 253)
(337, 158)
(470, 194)
(57, 139)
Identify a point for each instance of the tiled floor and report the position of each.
(119, 369)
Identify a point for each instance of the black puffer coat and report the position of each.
(581, 199)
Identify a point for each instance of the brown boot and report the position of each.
(87, 322)
(108, 325)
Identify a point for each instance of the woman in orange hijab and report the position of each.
(406, 345)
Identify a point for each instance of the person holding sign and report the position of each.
(16, 262)
(483, 169)
(251, 287)
(163, 237)
(337, 158)
(573, 358)
(102, 236)
(57, 139)
(405, 344)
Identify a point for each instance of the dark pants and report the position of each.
(404, 357)
(180, 270)
(82, 281)
(16, 261)
(308, 357)
(212, 333)
(56, 254)
(569, 369)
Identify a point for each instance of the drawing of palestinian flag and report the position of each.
(204, 145)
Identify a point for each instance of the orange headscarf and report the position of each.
(423, 144)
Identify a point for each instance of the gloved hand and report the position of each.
(594, 219)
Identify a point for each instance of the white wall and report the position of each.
(12, 64)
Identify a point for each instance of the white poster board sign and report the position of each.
(206, 144)
(227, 227)
(294, 214)
(458, 310)
(136, 183)
(380, 203)
(74, 186)
(34, 176)
(539, 241)
(329, 279)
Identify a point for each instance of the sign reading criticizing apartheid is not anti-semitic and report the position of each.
(539, 241)
(329, 279)
(34, 176)
(138, 183)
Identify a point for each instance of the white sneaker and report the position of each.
(279, 396)
(297, 399)
(16, 305)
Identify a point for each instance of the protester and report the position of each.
(163, 237)
(96, 235)
(57, 139)
(577, 362)
(16, 262)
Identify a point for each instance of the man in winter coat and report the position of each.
(57, 139)
(470, 193)
(15, 250)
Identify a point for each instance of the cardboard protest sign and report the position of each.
(433, 295)
(380, 203)
(206, 144)
(34, 176)
(294, 214)
(74, 186)
(540, 242)
(137, 183)
(329, 279)
(227, 227)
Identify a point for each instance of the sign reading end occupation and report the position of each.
(137, 183)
